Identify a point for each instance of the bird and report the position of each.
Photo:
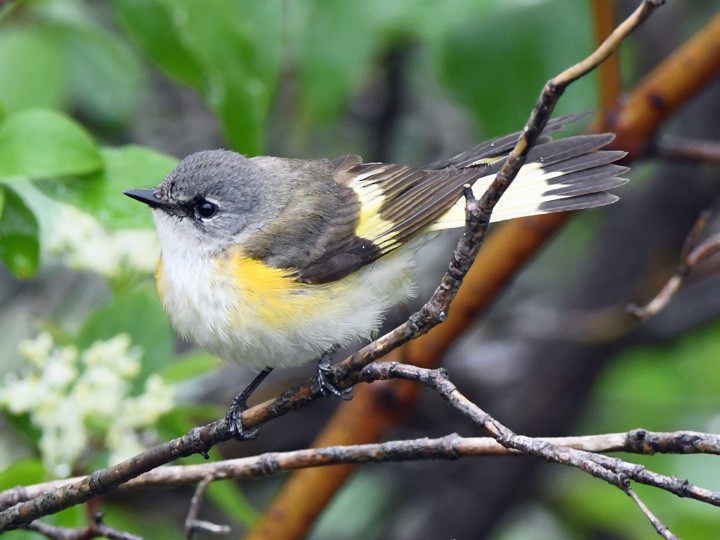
(270, 261)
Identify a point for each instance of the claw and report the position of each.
(236, 429)
(324, 373)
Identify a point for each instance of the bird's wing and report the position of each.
(397, 202)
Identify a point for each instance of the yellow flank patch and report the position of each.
(273, 295)
(371, 225)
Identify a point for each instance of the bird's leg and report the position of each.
(234, 415)
(324, 373)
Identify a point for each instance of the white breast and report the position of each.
(210, 309)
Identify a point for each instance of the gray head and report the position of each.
(212, 199)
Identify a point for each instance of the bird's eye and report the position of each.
(205, 209)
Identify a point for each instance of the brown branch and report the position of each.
(478, 212)
(693, 254)
(679, 77)
(610, 86)
(697, 151)
(449, 447)
(198, 440)
(97, 529)
(609, 469)
(660, 528)
(677, 486)
(438, 304)
(614, 471)
(193, 523)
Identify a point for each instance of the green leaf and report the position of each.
(191, 365)
(150, 24)
(24, 472)
(339, 42)
(19, 244)
(137, 313)
(229, 50)
(104, 73)
(498, 64)
(41, 143)
(31, 70)
(101, 193)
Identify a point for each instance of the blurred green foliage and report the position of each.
(660, 388)
(231, 53)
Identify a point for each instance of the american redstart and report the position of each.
(271, 261)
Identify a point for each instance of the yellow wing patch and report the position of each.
(274, 295)
(371, 225)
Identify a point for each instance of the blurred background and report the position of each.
(97, 98)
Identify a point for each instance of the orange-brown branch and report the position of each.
(682, 75)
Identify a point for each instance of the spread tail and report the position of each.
(562, 175)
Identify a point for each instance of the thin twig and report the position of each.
(661, 529)
(192, 521)
(692, 255)
(97, 529)
(696, 151)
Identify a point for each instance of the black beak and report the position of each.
(147, 196)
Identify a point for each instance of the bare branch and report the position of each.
(97, 529)
(661, 529)
(192, 521)
(612, 470)
(637, 441)
(694, 150)
(693, 254)
(679, 77)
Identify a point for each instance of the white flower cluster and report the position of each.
(76, 398)
(82, 243)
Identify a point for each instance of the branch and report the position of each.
(682, 75)
(578, 452)
(193, 523)
(609, 83)
(614, 471)
(478, 212)
(609, 469)
(97, 529)
(660, 528)
(449, 447)
(693, 150)
(693, 254)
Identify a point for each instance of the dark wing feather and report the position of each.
(397, 201)
(499, 147)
